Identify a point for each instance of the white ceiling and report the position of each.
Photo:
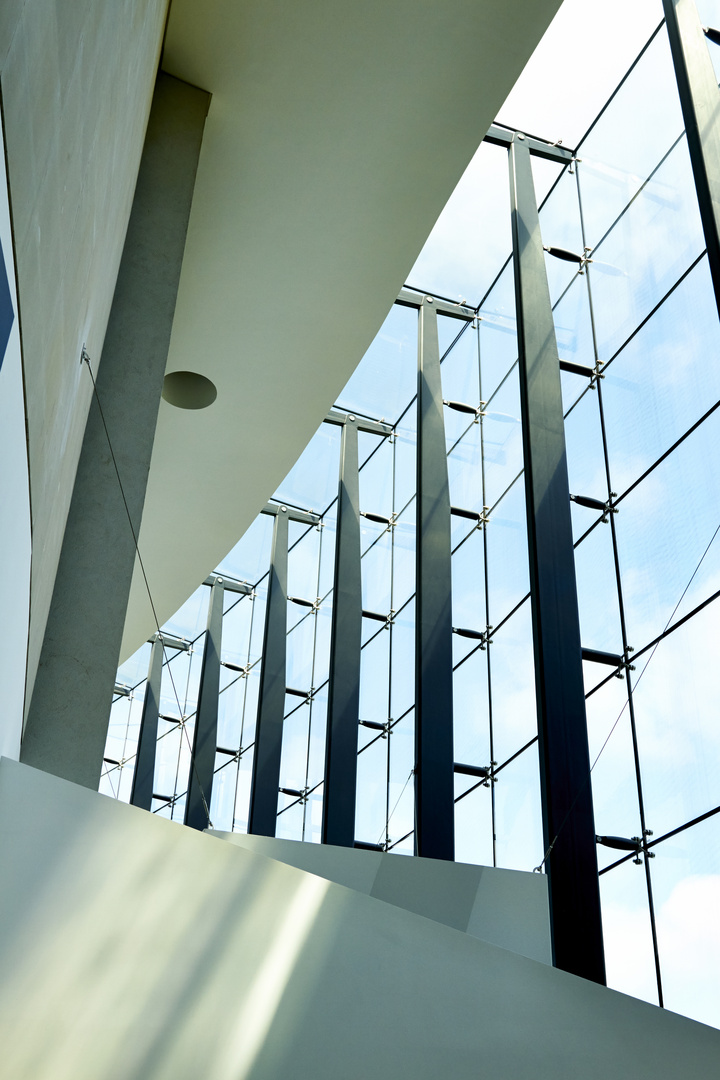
(336, 133)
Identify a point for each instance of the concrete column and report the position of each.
(68, 715)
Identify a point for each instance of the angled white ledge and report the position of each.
(336, 134)
(508, 908)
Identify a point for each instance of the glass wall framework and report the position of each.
(636, 323)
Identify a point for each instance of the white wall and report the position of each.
(14, 511)
(132, 948)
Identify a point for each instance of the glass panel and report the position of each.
(302, 572)
(181, 681)
(403, 555)
(405, 459)
(507, 553)
(661, 382)
(327, 552)
(116, 742)
(663, 528)
(614, 160)
(312, 826)
(452, 260)
(312, 482)
(385, 381)
(608, 37)
(468, 578)
(161, 808)
(449, 331)
(401, 790)
(512, 677)
(316, 738)
(222, 802)
(242, 799)
(460, 381)
(470, 711)
(376, 482)
(323, 625)
(191, 618)
(560, 227)
(236, 628)
(374, 678)
(686, 887)
(250, 557)
(109, 781)
(645, 252)
(300, 647)
(460, 368)
(629, 960)
(678, 734)
(371, 804)
(134, 670)
(597, 593)
(376, 568)
(585, 460)
(167, 757)
(290, 822)
(573, 329)
(403, 661)
(498, 333)
(465, 475)
(545, 174)
(230, 709)
(258, 622)
(473, 826)
(518, 815)
(293, 765)
(614, 783)
(502, 438)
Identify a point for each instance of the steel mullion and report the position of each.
(202, 765)
(700, 103)
(434, 779)
(569, 829)
(345, 645)
(143, 778)
(262, 815)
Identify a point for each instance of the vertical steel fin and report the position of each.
(434, 783)
(205, 737)
(564, 756)
(345, 641)
(271, 703)
(142, 785)
(700, 102)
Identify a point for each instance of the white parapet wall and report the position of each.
(504, 907)
(135, 949)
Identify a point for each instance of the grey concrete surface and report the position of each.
(67, 721)
(15, 536)
(132, 948)
(504, 907)
(77, 81)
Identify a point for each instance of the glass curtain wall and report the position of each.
(642, 430)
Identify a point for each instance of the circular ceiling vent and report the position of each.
(188, 390)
